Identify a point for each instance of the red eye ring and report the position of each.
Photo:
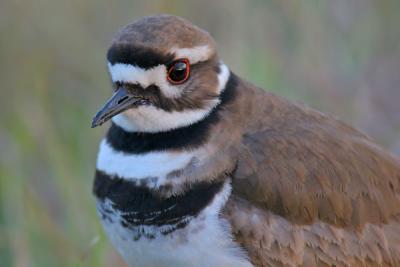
(176, 75)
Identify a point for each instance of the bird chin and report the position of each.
(124, 121)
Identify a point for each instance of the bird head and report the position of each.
(165, 74)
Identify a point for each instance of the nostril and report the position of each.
(122, 99)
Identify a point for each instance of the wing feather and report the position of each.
(310, 190)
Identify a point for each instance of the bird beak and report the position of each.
(119, 102)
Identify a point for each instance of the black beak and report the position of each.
(119, 102)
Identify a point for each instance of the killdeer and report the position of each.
(202, 168)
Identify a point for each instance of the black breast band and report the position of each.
(140, 206)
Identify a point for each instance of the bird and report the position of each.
(200, 167)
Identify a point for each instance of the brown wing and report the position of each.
(319, 192)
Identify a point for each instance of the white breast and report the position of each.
(205, 241)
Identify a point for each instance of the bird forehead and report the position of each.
(164, 31)
(138, 55)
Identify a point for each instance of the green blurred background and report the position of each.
(342, 57)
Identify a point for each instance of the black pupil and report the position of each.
(178, 72)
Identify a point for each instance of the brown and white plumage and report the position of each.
(307, 189)
(320, 192)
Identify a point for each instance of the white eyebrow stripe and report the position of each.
(195, 54)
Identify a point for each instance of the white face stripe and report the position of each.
(195, 54)
(132, 74)
(157, 75)
(141, 166)
(153, 119)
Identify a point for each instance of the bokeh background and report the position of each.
(342, 57)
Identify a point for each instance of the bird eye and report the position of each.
(178, 71)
